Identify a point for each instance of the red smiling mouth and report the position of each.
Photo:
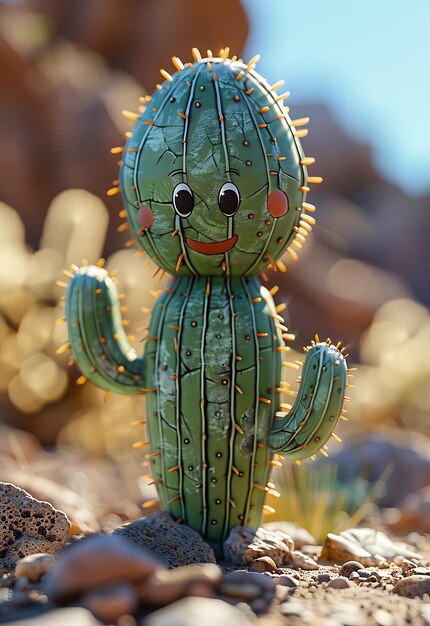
(217, 247)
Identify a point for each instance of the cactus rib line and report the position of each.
(161, 324)
(138, 156)
(184, 167)
(272, 228)
(269, 93)
(190, 285)
(229, 474)
(203, 407)
(257, 393)
(227, 161)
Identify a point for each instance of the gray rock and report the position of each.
(97, 561)
(244, 545)
(174, 544)
(197, 611)
(412, 586)
(28, 526)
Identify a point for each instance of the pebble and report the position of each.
(172, 543)
(421, 571)
(303, 560)
(96, 561)
(110, 603)
(363, 573)
(413, 586)
(264, 564)
(338, 583)
(197, 611)
(34, 566)
(166, 586)
(323, 578)
(407, 565)
(244, 545)
(287, 581)
(31, 526)
(349, 567)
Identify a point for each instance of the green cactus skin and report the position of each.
(213, 357)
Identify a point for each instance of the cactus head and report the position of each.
(213, 176)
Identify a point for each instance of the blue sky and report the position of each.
(369, 60)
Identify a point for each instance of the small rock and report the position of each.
(287, 581)
(407, 565)
(338, 549)
(244, 545)
(99, 560)
(31, 526)
(174, 544)
(110, 603)
(303, 560)
(349, 567)
(363, 573)
(383, 618)
(338, 583)
(354, 576)
(264, 564)
(233, 584)
(198, 611)
(421, 571)
(323, 578)
(412, 586)
(378, 544)
(166, 586)
(34, 566)
(300, 536)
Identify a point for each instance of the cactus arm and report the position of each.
(305, 429)
(96, 335)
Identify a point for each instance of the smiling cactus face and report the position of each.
(213, 176)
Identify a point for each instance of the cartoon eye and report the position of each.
(183, 200)
(229, 199)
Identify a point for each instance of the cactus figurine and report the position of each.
(214, 183)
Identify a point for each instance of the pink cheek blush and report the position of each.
(277, 204)
(145, 216)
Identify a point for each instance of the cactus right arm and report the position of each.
(96, 335)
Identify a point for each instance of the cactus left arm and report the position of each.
(96, 335)
(304, 430)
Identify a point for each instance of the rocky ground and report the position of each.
(155, 572)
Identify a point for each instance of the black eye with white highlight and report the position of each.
(229, 199)
(183, 200)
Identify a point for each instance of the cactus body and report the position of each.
(214, 183)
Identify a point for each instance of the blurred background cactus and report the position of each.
(66, 71)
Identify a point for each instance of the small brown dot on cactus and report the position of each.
(186, 441)
(193, 324)
(213, 480)
(218, 455)
(172, 99)
(214, 522)
(267, 222)
(197, 105)
(247, 337)
(248, 163)
(246, 143)
(317, 439)
(224, 381)
(218, 501)
(202, 88)
(236, 98)
(259, 233)
(190, 468)
(280, 240)
(251, 216)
